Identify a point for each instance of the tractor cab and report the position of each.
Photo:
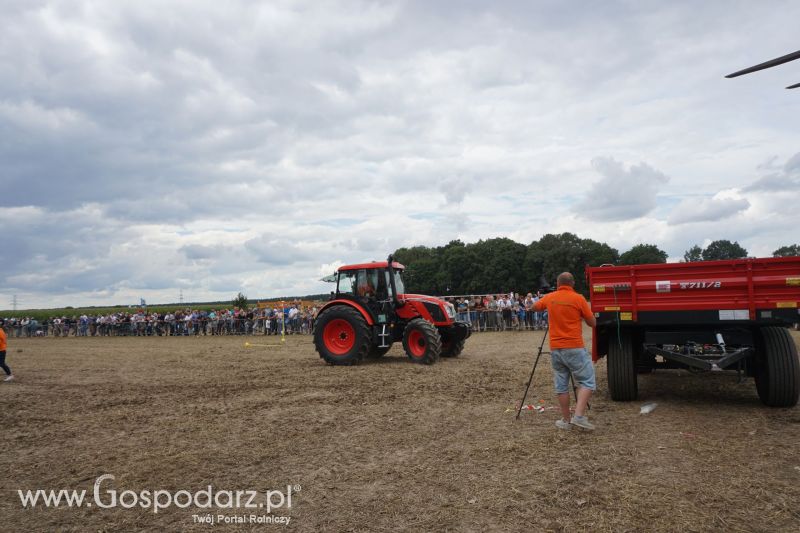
(370, 310)
(372, 281)
(375, 286)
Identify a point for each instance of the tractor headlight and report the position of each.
(451, 310)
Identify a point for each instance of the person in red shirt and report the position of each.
(567, 310)
(3, 365)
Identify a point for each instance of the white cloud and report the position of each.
(786, 178)
(621, 194)
(148, 147)
(722, 205)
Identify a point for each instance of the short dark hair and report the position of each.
(565, 278)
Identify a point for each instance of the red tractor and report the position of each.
(370, 310)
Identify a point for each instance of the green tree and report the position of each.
(597, 253)
(421, 268)
(407, 256)
(693, 254)
(458, 267)
(787, 251)
(642, 254)
(723, 249)
(240, 301)
(554, 254)
(500, 264)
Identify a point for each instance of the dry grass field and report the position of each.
(385, 446)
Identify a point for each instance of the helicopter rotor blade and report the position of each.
(795, 86)
(767, 64)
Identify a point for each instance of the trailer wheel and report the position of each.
(341, 335)
(777, 368)
(422, 342)
(621, 368)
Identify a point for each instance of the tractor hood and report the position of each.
(438, 309)
(420, 298)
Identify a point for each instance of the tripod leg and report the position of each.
(528, 386)
(574, 388)
(530, 380)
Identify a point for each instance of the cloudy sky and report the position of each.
(153, 147)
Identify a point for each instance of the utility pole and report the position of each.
(14, 302)
(180, 297)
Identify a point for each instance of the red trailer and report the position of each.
(706, 316)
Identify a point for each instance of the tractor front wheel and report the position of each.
(422, 342)
(452, 349)
(341, 335)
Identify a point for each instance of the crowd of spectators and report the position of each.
(500, 312)
(295, 318)
(489, 312)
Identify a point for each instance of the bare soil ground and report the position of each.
(385, 446)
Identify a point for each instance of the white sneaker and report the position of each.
(9, 378)
(563, 424)
(582, 422)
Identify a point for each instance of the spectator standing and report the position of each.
(462, 310)
(568, 356)
(3, 342)
(529, 311)
(491, 313)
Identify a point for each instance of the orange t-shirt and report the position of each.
(565, 309)
(2, 340)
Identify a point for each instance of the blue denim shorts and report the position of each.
(575, 361)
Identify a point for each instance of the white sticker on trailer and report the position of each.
(663, 286)
(734, 314)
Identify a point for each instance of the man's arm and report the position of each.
(588, 316)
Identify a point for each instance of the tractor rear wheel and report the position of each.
(452, 349)
(622, 382)
(341, 335)
(422, 342)
(777, 368)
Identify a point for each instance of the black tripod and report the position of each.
(530, 380)
(536, 362)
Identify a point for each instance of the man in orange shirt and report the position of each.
(567, 310)
(9, 375)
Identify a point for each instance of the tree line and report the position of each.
(503, 265)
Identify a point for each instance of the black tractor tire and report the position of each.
(376, 353)
(342, 336)
(422, 342)
(453, 349)
(777, 373)
(622, 379)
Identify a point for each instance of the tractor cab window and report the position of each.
(366, 283)
(347, 282)
(369, 283)
(398, 282)
(382, 288)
